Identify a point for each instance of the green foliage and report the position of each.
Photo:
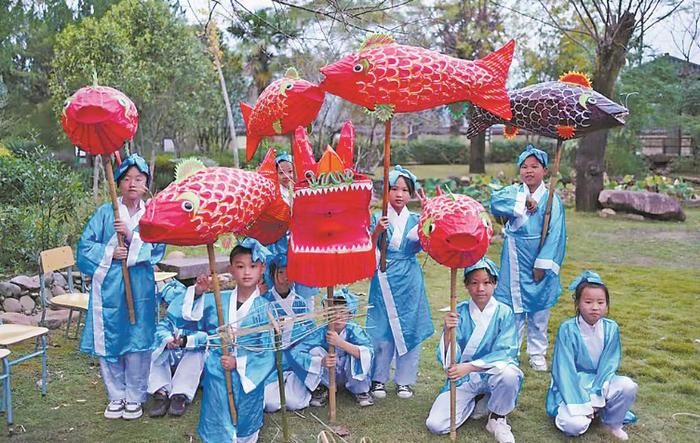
(166, 162)
(507, 151)
(43, 205)
(430, 151)
(677, 188)
(621, 155)
(478, 187)
(151, 54)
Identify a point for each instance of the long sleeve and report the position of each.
(144, 252)
(608, 363)
(508, 202)
(565, 377)
(361, 367)
(94, 241)
(551, 255)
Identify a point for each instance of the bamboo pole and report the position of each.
(280, 374)
(453, 349)
(109, 173)
(385, 199)
(554, 177)
(331, 371)
(220, 314)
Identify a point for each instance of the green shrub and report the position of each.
(621, 156)
(435, 150)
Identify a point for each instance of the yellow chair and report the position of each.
(162, 276)
(61, 259)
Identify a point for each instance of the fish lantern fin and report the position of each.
(292, 73)
(268, 168)
(509, 132)
(576, 78)
(246, 110)
(277, 126)
(346, 144)
(188, 167)
(383, 112)
(303, 153)
(330, 162)
(376, 40)
(566, 131)
(438, 191)
(457, 110)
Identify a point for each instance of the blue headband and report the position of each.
(133, 160)
(258, 251)
(586, 277)
(283, 157)
(344, 294)
(400, 171)
(484, 263)
(539, 154)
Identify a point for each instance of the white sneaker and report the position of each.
(115, 409)
(538, 363)
(500, 429)
(481, 410)
(132, 411)
(619, 433)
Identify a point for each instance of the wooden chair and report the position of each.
(6, 404)
(61, 259)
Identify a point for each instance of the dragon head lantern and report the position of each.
(329, 239)
(455, 230)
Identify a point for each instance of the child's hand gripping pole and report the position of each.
(220, 314)
(115, 206)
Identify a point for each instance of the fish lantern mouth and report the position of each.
(463, 242)
(620, 117)
(311, 92)
(617, 112)
(162, 223)
(91, 115)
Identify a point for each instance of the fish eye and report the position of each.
(288, 86)
(358, 68)
(187, 206)
(432, 228)
(592, 101)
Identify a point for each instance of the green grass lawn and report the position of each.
(652, 270)
(444, 171)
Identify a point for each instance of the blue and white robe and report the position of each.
(486, 339)
(521, 249)
(107, 332)
(308, 293)
(252, 367)
(584, 365)
(285, 310)
(189, 361)
(400, 312)
(353, 372)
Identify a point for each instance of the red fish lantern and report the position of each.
(455, 230)
(204, 203)
(283, 106)
(330, 242)
(99, 119)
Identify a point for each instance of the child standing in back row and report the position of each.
(399, 320)
(586, 358)
(529, 279)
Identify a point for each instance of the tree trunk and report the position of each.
(590, 157)
(477, 154)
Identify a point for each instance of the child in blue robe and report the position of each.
(286, 305)
(177, 362)
(352, 361)
(249, 368)
(124, 349)
(586, 358)
(486, 358)
(399, 320)
(529, 280)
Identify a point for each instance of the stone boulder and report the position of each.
(53, 320)
(58, 280)
(648, 204)
(10, 290)
(11, 305)
(29, 283)
(27, 304)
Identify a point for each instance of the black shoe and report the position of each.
(178, 405)
(319, 397)
(159, 406)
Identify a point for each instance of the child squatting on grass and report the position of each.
(486, 358)
(586, 358)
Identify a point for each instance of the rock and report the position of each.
(10, 290)
(48, 278)
(12, 305)
(59, 280)
(26, 282)
(607, 212)
(648, 204)
(57, 290)
(175, 255)
(53, 320)
(27, 303)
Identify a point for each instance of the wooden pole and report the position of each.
(453, 357)
(554, 173)
(385, 199)
(331, 371)
(220, 314)
(120, 239)
(280, 374)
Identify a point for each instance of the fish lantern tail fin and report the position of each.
(252, 141)
(493, 97)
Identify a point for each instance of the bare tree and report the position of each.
(688, 20)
